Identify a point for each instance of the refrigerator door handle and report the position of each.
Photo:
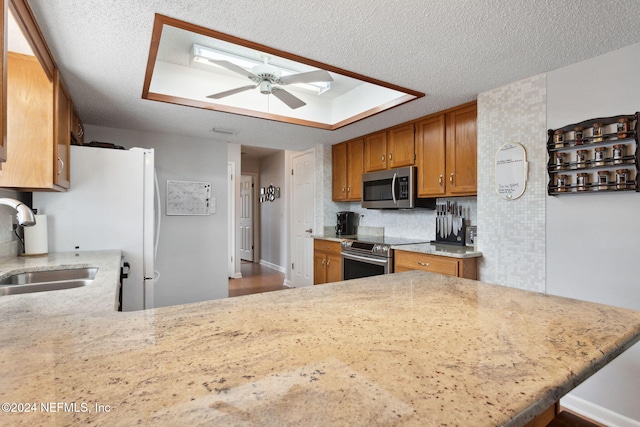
(125, 274)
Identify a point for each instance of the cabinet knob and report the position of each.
(328, 262)
(323, 262)
(349, 189)
(390, 157)
(424, 264)
(343, 189)
(440, 180)
(451, 179)
(383, 158)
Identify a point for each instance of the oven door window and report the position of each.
(354, 269)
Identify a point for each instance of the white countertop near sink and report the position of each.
(101, 296)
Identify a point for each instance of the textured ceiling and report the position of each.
(449, 49)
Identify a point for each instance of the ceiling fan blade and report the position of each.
(292, 101)
(235, 68)
(310, 77)
(231, 92)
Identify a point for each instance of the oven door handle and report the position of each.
(393, 188)
(369, 260)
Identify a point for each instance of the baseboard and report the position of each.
(238, 275)
(596, 413)
(272, 266)
(287, 283)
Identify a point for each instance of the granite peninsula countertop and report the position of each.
(413, 348)
(452, 251)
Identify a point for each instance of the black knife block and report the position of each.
(451, 238)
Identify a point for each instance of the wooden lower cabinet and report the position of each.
(327, 261)
(458, 267)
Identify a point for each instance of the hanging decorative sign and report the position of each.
(269, 194)
(511, 171)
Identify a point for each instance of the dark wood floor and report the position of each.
(256, 278)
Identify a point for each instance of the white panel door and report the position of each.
(246, 217)
(303, 211)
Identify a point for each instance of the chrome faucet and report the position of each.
(25, 216)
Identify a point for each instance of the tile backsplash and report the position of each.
(9, 245)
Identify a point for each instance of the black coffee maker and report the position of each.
(346, 223)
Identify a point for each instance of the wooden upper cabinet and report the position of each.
(447, 153)
(36, 109)
(30, 149)
(401, 150)
(430, 149)
(394, 148)
(462, 149)
(375, 152)
(347, 170)
(355, 168)
(339, 171)
(62, 134)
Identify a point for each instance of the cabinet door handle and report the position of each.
(390, 157)
(451, 179)
(309, 230)
(343, 189)
(349, 189)
(323, 262)
(424, 264)
(440, 180)
(61, 163)
(328, 262)
(383, 158)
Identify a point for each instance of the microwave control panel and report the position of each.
(404, 188)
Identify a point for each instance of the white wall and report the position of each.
(235, 156)
(273, 228)
(592, 250)
(584, 246)
(192, 250)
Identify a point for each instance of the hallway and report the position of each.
(256, 278)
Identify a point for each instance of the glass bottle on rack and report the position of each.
(598, 132)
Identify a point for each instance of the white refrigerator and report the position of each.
(110, 205)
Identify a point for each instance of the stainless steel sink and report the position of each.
(49, 280)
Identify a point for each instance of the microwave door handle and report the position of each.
(393, 188)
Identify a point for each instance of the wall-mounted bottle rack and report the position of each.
(594, 156)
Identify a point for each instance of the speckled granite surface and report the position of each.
(403, 349)
(425, 248)
(442, 250)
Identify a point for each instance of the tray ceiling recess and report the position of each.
(198, 67)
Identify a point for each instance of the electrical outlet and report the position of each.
(472, 235)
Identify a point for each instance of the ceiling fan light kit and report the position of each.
(266, 76)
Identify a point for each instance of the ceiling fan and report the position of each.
(266, 76)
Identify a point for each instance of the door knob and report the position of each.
(309, 230)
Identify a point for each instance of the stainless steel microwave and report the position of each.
(393, 189)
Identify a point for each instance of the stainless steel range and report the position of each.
(370, 255)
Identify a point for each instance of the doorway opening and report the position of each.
(256, 278)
